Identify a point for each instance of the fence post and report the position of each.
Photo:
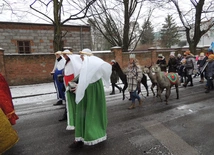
(2, 66)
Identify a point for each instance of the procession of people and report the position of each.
(80, 78)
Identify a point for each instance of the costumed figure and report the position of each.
(71, 71)
(68, 75)
(8, 117)
(58, 77)
(90, 113)
(6, 103)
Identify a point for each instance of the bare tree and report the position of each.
(59, 11)
(198, 24)
(117, 21)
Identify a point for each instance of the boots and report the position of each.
(140, 102)
(202, 80)
(132, 106)
(112, 93)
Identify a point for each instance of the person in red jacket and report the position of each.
(6, 103)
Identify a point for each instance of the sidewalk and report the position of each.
(35, 93)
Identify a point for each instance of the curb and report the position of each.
(32, 95)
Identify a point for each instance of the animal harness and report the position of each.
(172, 77)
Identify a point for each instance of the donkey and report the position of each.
(166, 80)
(147, 70)
(124, 80)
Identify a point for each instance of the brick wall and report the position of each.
(36, 68)
(41, 37)
(28, 69)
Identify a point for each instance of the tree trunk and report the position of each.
(192, 47)
(126, 27)
(57, 42)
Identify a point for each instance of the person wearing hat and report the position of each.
(210, 73)
(204, 63)
(200, 64)
(70, 71)
(172, 63)
(190, 66)
(57, 73)
(114, 78)
(162, 62)
(134, 75)
(89, 103)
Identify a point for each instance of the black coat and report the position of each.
(162, 64)
(114, 76)
(172, 65)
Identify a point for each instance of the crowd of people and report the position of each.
(189, 66)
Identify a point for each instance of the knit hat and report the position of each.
(179, 55)
(132, 56)
(160, 55)
(113, 61)
(172, 54)
(187, 53)
(211, 56)
(202, 54)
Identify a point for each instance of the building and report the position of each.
(26, 38)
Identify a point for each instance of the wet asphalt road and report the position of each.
(184, 127)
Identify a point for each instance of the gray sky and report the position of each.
(6, 14)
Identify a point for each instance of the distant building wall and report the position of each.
(41, 36)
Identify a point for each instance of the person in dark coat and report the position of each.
(172, 63)
(200, 64)
(210, 73)
(162, 62)
(114, 78)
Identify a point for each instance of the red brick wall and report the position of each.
(36, 68)
(28, 69)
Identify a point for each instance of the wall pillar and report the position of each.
(2, 66)
(117, 51)
(153, 55)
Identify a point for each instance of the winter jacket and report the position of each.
(172, 65)
(134, 76)
(114, 76)
(162, 64)
(190, 64)
(210, 68)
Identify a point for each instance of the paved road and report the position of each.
(184, 127)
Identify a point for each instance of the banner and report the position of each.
(211, 47)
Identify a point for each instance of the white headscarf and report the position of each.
(77, 63)
(93, 69)
(60, 64)
(74, 65)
